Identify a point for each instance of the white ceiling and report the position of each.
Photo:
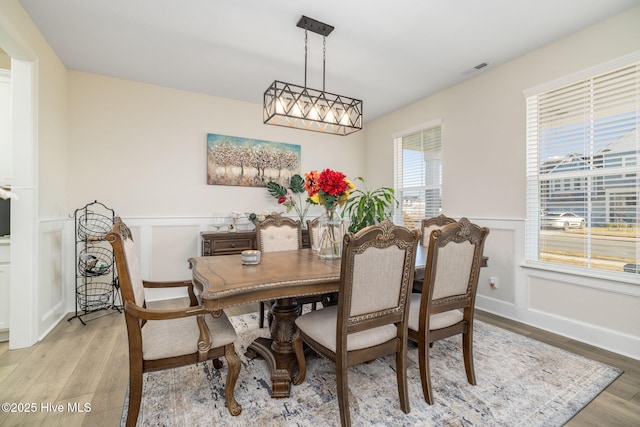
(387, 53)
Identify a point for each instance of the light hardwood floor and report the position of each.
(80, 365)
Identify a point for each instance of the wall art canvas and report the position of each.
(233, 160)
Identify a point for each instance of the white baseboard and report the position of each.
(606, 339)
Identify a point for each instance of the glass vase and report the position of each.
(330, 232)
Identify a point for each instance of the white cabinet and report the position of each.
(5, 269)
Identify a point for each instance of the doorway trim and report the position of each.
(24, 213)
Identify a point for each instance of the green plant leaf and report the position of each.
(297, 184)
(366, 207)
(276, 190)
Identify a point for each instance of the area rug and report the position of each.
(520, 382)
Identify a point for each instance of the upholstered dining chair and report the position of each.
(161, 339)
(427, 226)
(434, 223)
(312, 228)
(278, 233)
(370, 319)
(446, 305)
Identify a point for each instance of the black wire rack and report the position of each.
(96, 284)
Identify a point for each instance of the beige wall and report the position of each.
(141, 149)
(483, 122)
(5, 60)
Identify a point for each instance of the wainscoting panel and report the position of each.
(595, 311)
(164, 246)
(52, 286)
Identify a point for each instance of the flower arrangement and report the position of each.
(291, 198)
(328, 188)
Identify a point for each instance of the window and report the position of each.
(585, 132)
(418, 174)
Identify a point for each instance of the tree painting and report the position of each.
(233, 160)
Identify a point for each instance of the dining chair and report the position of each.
(161, 339)
(427, 226)
(275, 234)
(446, 305)
(369, 321)
(435, 223)
(312, 228)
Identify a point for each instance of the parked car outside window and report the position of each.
(564, 220)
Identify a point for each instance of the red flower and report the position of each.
(282, 199)
(332, 182)
(327, 188)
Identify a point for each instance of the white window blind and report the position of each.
(418, 174)
(583, 174)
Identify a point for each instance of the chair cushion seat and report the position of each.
(176, 337)
(320, 326)
(438, 321)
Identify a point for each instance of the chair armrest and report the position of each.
(148, 314)
(204, 338)
(174, 284)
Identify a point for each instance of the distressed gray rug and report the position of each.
(521, 382)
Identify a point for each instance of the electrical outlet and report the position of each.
(494, 282)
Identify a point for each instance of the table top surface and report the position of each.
(224, 280)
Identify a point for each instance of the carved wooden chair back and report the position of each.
(435, 223)
(160, 339)
(446, 305)
(314, 236)
(278, 233)
(427, 226)
(370, 318)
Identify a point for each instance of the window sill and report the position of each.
(624, 283)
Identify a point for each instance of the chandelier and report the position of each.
(290, 105)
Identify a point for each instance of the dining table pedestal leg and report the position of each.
(278, 350)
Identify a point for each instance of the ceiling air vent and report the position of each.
(481, 66)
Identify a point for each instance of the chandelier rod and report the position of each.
(305, 58)
(324, 59)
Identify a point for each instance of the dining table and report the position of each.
(224, 281)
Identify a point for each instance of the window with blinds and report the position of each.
(418, 174)
(583, 174)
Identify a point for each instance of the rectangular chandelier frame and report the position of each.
(291, 105)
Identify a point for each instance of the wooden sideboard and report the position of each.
(230, 243)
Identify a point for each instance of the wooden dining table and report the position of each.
(223, 281)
